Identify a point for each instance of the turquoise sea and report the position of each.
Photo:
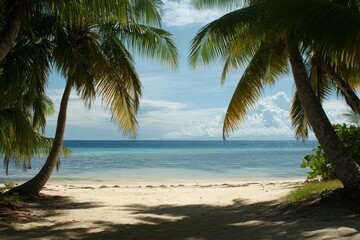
(176, 160)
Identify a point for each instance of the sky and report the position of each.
(185, 104)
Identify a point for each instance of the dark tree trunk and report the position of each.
(346, 169)
(15, 14)
(350, 96)
(34, 185)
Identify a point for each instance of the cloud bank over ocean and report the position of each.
(160, 119)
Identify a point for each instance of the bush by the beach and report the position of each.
(318, 162)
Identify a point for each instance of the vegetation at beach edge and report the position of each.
(320, 167)
(9, 199)
(311, 190)
(280, 38)
(268, 39)
(90, 43)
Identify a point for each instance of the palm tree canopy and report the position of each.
(335, 34)
(89, 42)
(238, 38)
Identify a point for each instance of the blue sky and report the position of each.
(185, 104)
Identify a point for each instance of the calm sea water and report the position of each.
(176, 160)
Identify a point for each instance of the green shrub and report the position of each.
(318, 162)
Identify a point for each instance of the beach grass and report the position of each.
(10, 200)
(7, 199)
(311, 190)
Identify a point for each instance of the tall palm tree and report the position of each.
(23, 104)
(244, 37)
(93, 56)
(26, 27)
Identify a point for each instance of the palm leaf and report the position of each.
(212, 41)
(249, 89)
(148, 41)
(298, 119)
(323, 29)
(149, 12)
(119, 84)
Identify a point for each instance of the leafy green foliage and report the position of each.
(9, 199)
(7, 187)
(319, 165)
(89, 43)
(311, 189)
(318, 162)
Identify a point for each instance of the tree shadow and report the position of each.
(265, 220)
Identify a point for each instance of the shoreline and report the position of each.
(166, 181)
(168, 210)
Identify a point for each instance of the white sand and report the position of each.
(133, 210)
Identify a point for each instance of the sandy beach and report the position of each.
(167, 210)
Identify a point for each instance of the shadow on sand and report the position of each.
(266, 220)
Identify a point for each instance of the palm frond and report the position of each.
(248, 90)
(320, 82)
(73, 13)
(212, 41)
(299, 120)
(119, 84)
(323, 28)
(237, 56)
(42, 108)
(149, 12)
(153, 43)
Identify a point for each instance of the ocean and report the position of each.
(175, 161)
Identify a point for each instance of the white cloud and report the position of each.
(270, 118)
(334, 110)
(160, 104)
(182, 13)
(161, 119)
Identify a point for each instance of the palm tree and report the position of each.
(23, 104)
(93, 56)
(245, 37)
(26, 27)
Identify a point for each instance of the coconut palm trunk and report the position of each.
(346, 169)
(34, 185)
(14, 17)
(350, 96)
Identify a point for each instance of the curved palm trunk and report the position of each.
(350, 96)
(34, 185)
(14, 18)
(346, 169)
